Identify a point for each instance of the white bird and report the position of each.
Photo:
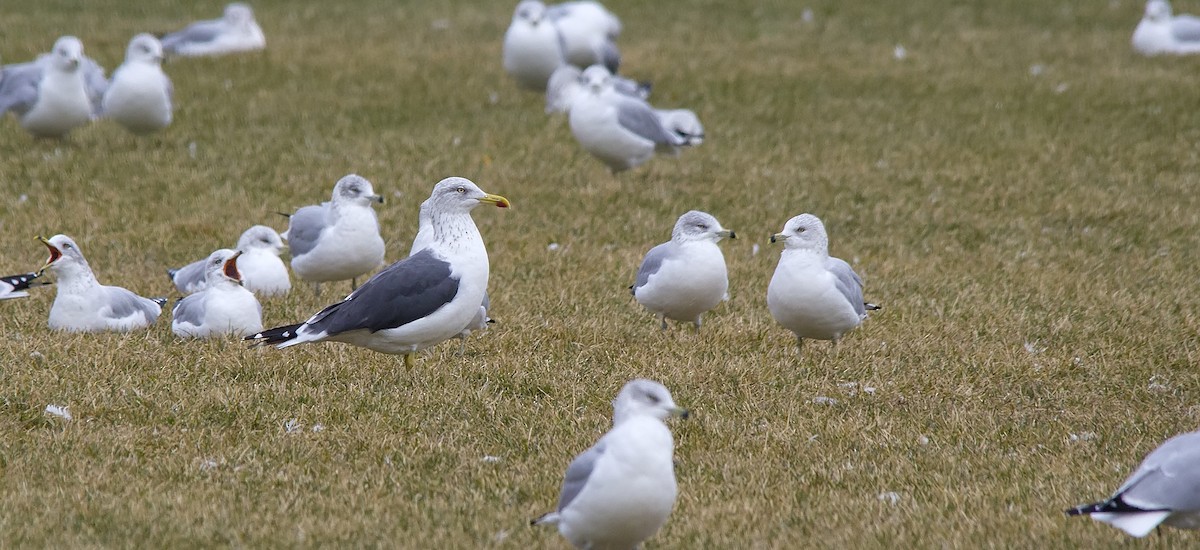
(50, 96)
(1165, 489)
(588, 33)
(82, 304)
(683, 123)
(263, 273)
(139, 95)
(565, 85)
(1161, 33)
(623, 132)
(235, 31)
(417, 302)
(223, 307)
(339, 239)
(619, 492)
(685, 276)
(423, 239)
(15, 286)
(532, 48)
(812, 293)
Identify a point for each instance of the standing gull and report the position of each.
(1165, 488)
(339, 239)
(622, 131)
(139, 96)
(619, 492)
(531, 50)
(1159, 32)
(14, 286)
(235, 31)
(263, 273)
(223, 307)
(812, 293)
(83, 304)
(49, 96)
(417, 302)
(685, 276)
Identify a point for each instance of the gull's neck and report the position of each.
(75, 277)
(456, 233)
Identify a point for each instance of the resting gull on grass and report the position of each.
(15, 286)
(263, 273)
(417, 302)
(235, 31)
(532, 48)
(1160, 32)
(139, 96)
(339, 239)
(619, 492)
(685, 276)
(812, 293)
(83, 304)
(223, 307)
(1165, 489)
(51, 96)
(566, 84)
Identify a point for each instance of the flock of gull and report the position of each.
(620, 491)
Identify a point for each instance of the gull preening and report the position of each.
(223, 307)
(82, 304)
(139, 95)
(15, 286)
(686, 276)
(50, 96)
(263, 273)
(337, 240)
(235, 31)
(1160, 32)
(619, 492)
(1165, 489)
(417, 302)
(813, 294)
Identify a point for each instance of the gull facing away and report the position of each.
(422, 240)
(223, 307)
(417, 302)
(263, 273)
(49, 96)
(15, 286)
(1161, 33)
(619, 492)
(813, 294)
(139, 96)
(235, 31)
(623, 132)
(1165, 489)
(565, 85)
(685, 276)
(82, 304)
(588, 33)
(532, 48)
(339, 239)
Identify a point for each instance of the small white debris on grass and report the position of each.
(807, 15)
(208, 464)
(59, 411)
(1061, 88)
(1037, 69)
(192, 150)
(440, 24)
(318, 427)
(1032, 348)
(37, 356)
(553, 247)
(822, 400)
(923, 440)
(1083, 436)
(500, 535)
(22, 199)
(456, 141)
(1158, 384)
(754, 250)
(493, 98)
(890, 497)
(900, 52)
(491, 459)
(292, 426)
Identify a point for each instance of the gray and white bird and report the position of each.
(1165, 489)
(683, 123)
(139, 95)
(417, 302)
(337, 240)
(51, 96)
(236, 31)
(263, 273)
(619, 492)
(15, 286)
(566, 84)
(813, 294)
(686, 276)
(532, 48)
(1161, 32)
(622, 131)
(223, 307)
(82, 304)
(588, 33)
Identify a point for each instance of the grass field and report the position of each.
(1018, 192)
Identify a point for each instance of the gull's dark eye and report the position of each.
(702, 227)
(67, 246)
(652, 398)
(799, 229)
(461, 190)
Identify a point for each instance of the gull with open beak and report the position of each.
(223, 307)
(263, 273)
(686, 276)
(82, 304)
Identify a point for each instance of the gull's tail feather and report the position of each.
(1115, 505)
(549, 518)
(23, 281)
(277, 335)
(171, 273)
(872, 307)
(160, 301)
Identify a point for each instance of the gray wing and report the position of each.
(631, 88)
(189, 310)
(95, 82)
(1186, 28)
(304, 228)
(198, 32)
(1169, 477)
(578, 473)
(410, 289)
(19, 87)
(652, 262)
(848, 282)
(121, 303)
(639, 118)
(189, 278)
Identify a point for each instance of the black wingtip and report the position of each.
(277, 335)
(872, 307)
(171, 274)
(1115, 505)
(284, 214)
(160, 301)
(23, 281)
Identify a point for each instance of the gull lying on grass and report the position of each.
(623, 132)
(223, 307)
(417, 302)
(263, 273)
(685, 276)
(532, 49)
(51, 96)
(619, 492)
(139, 96)
(1165, 489)
(1161, 33)
(83, 304)
(235, 31)
(339, 239)
(565, 85)
(813, 294)
(14, 286)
